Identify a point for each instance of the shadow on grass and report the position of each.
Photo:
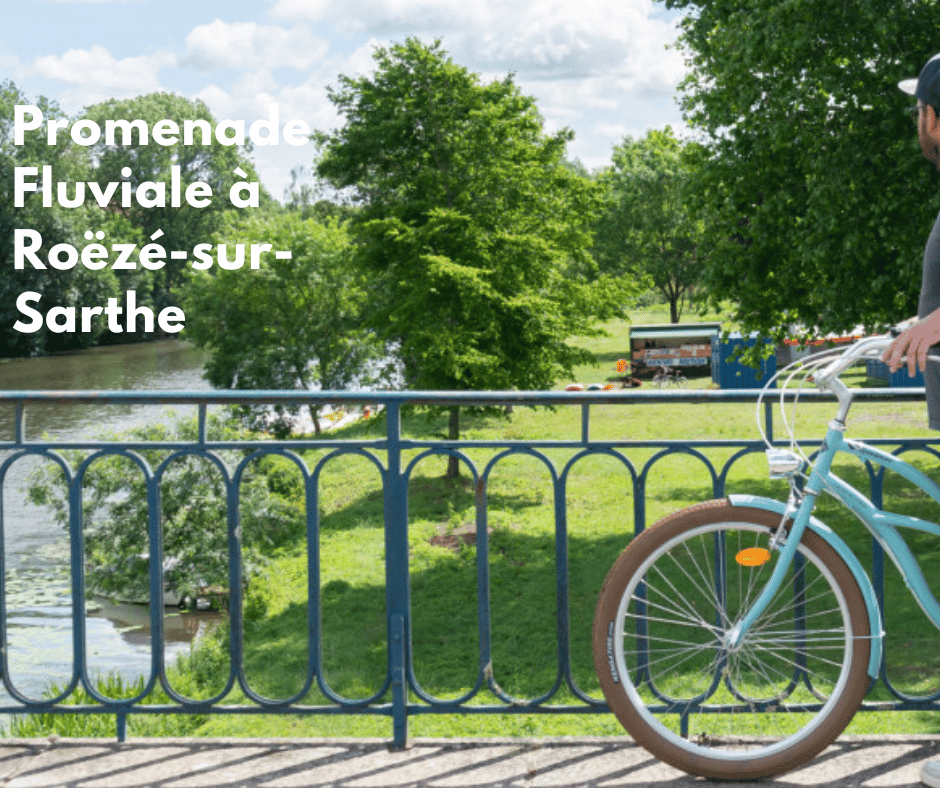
(429, 498)
(522, 593)
(444, 626)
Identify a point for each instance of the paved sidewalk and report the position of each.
(879, 762)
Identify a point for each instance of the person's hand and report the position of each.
(914, 343)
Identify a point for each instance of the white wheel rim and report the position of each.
(685, 744)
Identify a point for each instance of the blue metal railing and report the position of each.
(392, 698)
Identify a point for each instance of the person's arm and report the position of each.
(914, 343)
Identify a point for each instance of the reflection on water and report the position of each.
(133, 622)
(166, 365)
(36, 548)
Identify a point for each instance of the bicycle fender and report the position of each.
(835, 541)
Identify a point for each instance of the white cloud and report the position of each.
(384, 17)
(98, 71)
(247, 45)
(578, 40)
(537, 39)
(616, 130)
(599, 67)
(11, 65)
(307, 102)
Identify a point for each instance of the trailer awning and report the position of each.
(646, 333)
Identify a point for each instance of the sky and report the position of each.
(604, 68)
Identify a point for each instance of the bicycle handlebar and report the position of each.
(870, 348)
(824, 369)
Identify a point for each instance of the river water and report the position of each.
(38, 599)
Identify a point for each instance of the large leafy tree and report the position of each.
(292, 324)
(646, 228)
(815, 196)
(474, 230)
(57, 288)
(185, 226)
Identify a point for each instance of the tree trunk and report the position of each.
(453, 434)
(314, 410)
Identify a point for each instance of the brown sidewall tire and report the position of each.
(700, 763)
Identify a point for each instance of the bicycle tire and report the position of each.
(661, 582)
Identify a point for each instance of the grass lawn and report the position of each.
(522, 567)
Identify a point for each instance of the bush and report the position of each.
(193, 514)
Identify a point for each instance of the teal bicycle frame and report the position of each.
(881, 524)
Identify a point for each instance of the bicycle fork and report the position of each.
(734, 637)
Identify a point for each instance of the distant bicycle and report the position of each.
(667, 376)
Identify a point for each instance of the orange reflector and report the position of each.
(753, 556)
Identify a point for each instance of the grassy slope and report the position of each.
(522, 567)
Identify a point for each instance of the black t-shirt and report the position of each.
(930, 285)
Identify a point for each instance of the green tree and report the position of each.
(57, 288)
(474, 230)
(646, 228)
(308, 196)
(814, 194)
(214, 164)
(292, 324)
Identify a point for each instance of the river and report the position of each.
(39, 622)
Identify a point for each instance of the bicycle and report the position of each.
(666, 376)
(755, 606)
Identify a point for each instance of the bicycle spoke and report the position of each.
(804, 601)
(693, 649)
(769, 650)
(761, 669)
(686, 615)
(708, 590)
(657, 639)
(680, 598)
(696, 624)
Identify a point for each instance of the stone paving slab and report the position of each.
(585, 762)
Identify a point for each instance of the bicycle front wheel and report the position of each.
(769, 704)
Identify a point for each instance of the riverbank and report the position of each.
(36, 548)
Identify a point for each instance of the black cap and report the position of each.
(927, 86)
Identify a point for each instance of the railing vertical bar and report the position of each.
(4, 646)
(120, 720)
(484, 625)
(769, 419)
(639, 504)
(237, 636)
(19, 423)
(314, 614)
(155, 539)
(562, 582)
(77, 558)
(585, 423)
(203, 412)
(396, 575)
(876, 479)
